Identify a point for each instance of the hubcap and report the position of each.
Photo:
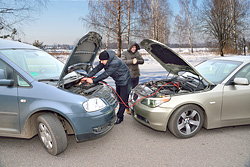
(45, 136)
(188, 122)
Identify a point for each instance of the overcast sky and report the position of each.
(60, 22)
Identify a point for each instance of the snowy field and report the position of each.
(152, 70)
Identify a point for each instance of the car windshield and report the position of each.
(217, 70)
(39, 64)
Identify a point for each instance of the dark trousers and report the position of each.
(123, 92)
(134, 82)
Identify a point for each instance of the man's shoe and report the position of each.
(128, 111)
(119, 120)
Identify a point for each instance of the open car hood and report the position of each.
(83, 54)
(170, 60)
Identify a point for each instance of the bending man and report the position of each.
(116, 69)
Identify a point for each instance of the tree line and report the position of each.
(123, 19)
(224, 23)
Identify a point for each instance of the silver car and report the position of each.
(213, 94)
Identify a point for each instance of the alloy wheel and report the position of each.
(188, 122)
(45, 136)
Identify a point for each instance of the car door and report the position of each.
(236, 98)
(9, 112)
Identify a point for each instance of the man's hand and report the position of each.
(134, 61)
(83, 79)
(89, 80)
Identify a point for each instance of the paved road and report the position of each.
(132, 144)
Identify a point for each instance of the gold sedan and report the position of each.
(213, 94)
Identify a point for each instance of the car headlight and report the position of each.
(150, 102)
(93, 104)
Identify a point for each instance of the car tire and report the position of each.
(51, 133)
(186, 121)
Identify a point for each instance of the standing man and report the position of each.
(132, 58)
(118, 70)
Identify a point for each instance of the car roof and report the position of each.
(9, 44)
(245, 59)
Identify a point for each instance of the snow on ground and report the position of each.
(152, 70)
(198, 56)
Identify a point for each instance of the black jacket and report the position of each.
(114, 68)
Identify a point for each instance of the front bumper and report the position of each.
(97, 131)
(156, 118)
(94, 124)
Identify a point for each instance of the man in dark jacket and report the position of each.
(118, 70)
(132, 58)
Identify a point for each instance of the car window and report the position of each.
(37, 63)
(244, 72)
(217, 70)
(21, 82)
(10, 74)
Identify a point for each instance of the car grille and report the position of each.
(133, 96)
(110, 98)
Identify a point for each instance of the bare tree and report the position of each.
(220, 19)
(111, 16)
(14, 13)
(122, 19)
(101, 17)
(179, 31)
(155, 16)
(215, 21)
(188, 7)
(128, 20)
(239, 12)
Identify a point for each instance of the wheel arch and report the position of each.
(30, 128)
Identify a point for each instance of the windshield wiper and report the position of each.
(49, 79)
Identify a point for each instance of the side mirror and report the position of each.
(6, 82)
(241, 81)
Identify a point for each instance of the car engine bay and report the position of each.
(171, 86)
(85, 89)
